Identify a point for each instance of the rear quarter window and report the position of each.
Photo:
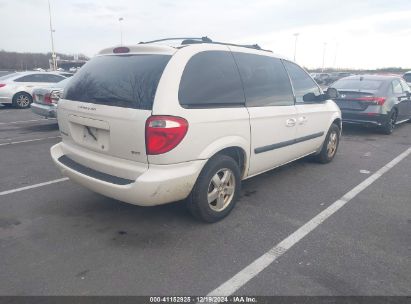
(31, 78)
(211, 79)
(128, 81)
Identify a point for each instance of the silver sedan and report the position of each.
(45, 99)
(16, 89)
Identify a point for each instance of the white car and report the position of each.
(16, 88)
(152, 124)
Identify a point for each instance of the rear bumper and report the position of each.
(371, 119)
(156, 185)
(44, 110)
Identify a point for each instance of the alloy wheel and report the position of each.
(393, 119)
(332, 144)
(221, 190)
(23, 101)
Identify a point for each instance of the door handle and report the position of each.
(290, 122)
(302, 120)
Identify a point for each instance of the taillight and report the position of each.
(55, 96)
(164, 133)
(47, 98)
(377, 100)
(2, 85)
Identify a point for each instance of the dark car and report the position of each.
(322, 78)
(381, 101)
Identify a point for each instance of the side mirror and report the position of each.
(331, 93)
(310, 97)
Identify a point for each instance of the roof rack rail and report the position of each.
(205, 39)
(249, 46)
(196, 39)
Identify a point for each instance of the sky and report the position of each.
(362, 34)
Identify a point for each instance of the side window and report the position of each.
(405, 86)
(265, 80)
(211, 79)
(396, 87)
(52, 78)
(28, 78)
(302, 83)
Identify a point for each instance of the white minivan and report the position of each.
(150, 124)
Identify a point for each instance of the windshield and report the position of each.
(357, 84)
(118, 80)
(407, 77)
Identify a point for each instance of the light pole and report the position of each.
(295, 44)
(53, 53)
(121, 29)
(325, 47)
(335, 56)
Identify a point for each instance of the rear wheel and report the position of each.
(22, 100)
(216, 190)
(330, 145)
(389, 126)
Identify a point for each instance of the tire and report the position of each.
(330, 146)
(22, 100)
(200, 202)
(389, 125)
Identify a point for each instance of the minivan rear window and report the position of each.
(128, 81)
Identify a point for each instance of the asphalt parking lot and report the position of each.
(62, 239)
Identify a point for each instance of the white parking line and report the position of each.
(33, 186)
(253, 269)
(23, 121)
(27, 140)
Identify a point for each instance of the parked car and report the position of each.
(74, 69)
(66, 74)
(322, 78)
(45, 99)
(16, 88)
(150, 124)
(381, 101)
(407, 78)
(338, 75)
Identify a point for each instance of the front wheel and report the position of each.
(330, 145)
(22, 100)
(216, 190)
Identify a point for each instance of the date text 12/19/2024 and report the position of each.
(205, 299)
